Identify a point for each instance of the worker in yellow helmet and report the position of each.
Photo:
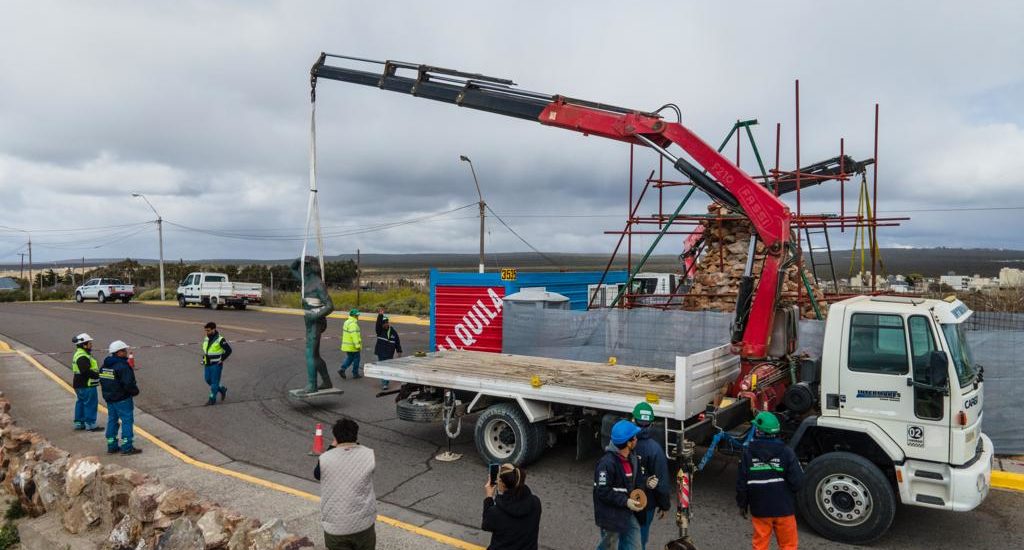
(351, 344)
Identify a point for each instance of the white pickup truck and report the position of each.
(216, 291)
(103, 289)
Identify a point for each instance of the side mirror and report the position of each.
(938, 368)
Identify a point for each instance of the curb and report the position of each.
(433, 535)
(1008, 480)
(396, 319)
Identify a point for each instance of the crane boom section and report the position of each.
(730, 185)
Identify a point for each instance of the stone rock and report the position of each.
(268, 536)
(6, 420)
(81, 472)
(118, 483)
(126, 534)
(176, 500)
(80, 515)
(182, 534)
(24, 483)
(143, 501)
(215, 532)
(52, 454)
(240, 534)
(5, 404)
(50, 478)
(294, 542)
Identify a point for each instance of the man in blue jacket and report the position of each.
(117, 379)
(769, 475)
(614, 479)
(653, 470)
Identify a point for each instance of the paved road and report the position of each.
(259, 425)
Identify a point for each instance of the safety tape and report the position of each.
(186, 344)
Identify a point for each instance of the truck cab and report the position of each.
(900, 417)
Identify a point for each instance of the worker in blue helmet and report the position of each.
(614, 479)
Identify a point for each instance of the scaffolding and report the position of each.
(672, 221)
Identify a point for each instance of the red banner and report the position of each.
(468, 317)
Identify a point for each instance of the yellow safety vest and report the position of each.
(212, 353)
(351, 337)
(93, 366)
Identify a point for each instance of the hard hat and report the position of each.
(116, 346)
(766, 422)
(353, 312)
(81, 339)
(643, 412)
(623, 431)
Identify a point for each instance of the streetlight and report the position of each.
(160, 233)
(483, 205)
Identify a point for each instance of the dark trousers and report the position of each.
(212, 374)
(363, 540)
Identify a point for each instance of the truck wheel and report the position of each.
(846, 498)
(240, 306)
(503, 434)
(181, 301)
(125, 300)
(101, 298)
(419, 410)
(78, 297)
(215, 303)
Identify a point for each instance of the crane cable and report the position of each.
(313, 208)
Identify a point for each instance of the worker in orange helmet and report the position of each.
(769, 476)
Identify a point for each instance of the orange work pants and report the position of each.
(785, 532)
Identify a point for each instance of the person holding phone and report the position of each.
(511, 511)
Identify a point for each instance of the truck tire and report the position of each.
(101, 298)
(79, 298)
(181, 301)
(215, 303)
(503, 434)
(417, 410)
(240, 306)
(846, 498)
(125, 300)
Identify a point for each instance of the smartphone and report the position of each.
(492, 473)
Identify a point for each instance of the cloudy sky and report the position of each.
(204, 108)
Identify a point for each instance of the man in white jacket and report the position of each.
(348, 505)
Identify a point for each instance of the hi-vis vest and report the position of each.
(93, 366)
(351, 338)
(212, 353)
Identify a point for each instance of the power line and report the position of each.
(513, 231)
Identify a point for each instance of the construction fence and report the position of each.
(653, 338)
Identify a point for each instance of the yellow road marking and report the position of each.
(4, 346)
(1008, 480)
(395, 319)
(165, 319)
(439, 537)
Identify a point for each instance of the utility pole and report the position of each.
(483, 206)
(30, 285)
(359, 283)
(21, 272)
(160, 234)
(271, 287)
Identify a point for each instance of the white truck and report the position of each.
(103, 289)
(214, 290)
(890, 414)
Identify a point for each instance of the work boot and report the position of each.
(341, 373)
(79, 426)
(94, 429)
(210, 401)
(356, 375)
(384, 386)
(111, 445)
(223, 393)
(131, 451)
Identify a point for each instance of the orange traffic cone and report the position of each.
(318, 440)
(131, 359)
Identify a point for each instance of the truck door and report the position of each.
(882, 352)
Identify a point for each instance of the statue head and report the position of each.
(312, 268)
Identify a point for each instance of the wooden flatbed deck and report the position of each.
(581, 383)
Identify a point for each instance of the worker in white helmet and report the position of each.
(118, 382)
(86, 378)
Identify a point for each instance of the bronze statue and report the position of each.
(316, 306)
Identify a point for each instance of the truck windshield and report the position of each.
(963, 361)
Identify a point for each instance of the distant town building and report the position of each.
(956, 282)
(1010, 277)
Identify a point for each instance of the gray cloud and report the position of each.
(204, 108)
